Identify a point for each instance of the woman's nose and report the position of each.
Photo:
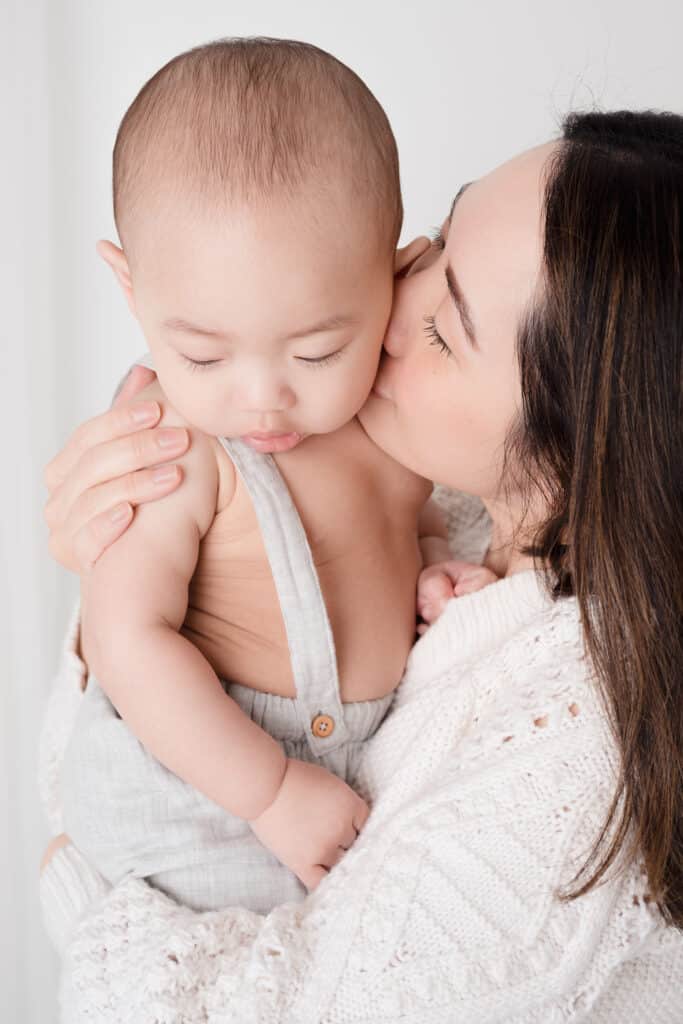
(399, 329)
(407, 256)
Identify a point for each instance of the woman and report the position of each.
(523, 861)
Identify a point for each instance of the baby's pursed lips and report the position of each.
(268, 441)
(265, 435)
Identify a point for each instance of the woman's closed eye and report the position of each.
(434, 336)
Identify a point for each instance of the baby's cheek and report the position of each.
(339, 403)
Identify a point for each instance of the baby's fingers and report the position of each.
(313, 876)
(433, 593)
(361, 815)
(474, 579)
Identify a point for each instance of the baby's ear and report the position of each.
(115, 257)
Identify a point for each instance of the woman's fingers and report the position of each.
(107, 463)
(123, 418)
(117, 422)
(100, 515)
(97, 535)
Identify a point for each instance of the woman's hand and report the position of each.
(55, 844)
(103, 471)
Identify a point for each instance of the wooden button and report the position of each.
(322, 726)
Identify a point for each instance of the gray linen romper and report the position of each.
(130, 815)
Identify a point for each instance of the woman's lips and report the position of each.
(265, 442)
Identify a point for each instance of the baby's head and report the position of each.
(257, 199)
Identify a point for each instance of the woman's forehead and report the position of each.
(507, 200)
(495, 242)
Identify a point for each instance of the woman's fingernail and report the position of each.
(172, 439)
(120, 512)
(145, 413)
(164, 474)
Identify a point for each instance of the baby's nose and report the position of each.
(265, 397)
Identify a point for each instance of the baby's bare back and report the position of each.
(360, 511)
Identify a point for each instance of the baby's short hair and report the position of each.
(255, 118)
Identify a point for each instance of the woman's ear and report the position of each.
(115, 257)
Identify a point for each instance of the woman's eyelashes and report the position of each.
(434, 336)
(438, 241)
(439, 244)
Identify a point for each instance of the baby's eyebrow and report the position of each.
(330, 323)
(176, 323)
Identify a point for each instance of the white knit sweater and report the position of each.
(488, 782)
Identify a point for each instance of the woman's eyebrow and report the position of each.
(454, 288)
(460, 191)
(461, 305)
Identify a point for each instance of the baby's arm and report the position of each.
(134, 605)
(442, 577)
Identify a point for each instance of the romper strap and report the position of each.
(309, 634)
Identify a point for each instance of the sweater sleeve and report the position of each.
(359, 950)
(490, 780)
(62, 707)
(69, 886)
(138, 956)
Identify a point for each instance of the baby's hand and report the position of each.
(313, 820)
(438, 583)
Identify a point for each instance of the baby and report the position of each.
(250, 629)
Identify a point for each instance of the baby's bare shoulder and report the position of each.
(208, 474)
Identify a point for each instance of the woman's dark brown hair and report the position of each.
(601, 360)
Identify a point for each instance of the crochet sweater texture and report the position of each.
(489, 781)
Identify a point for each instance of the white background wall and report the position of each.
(465, 85)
